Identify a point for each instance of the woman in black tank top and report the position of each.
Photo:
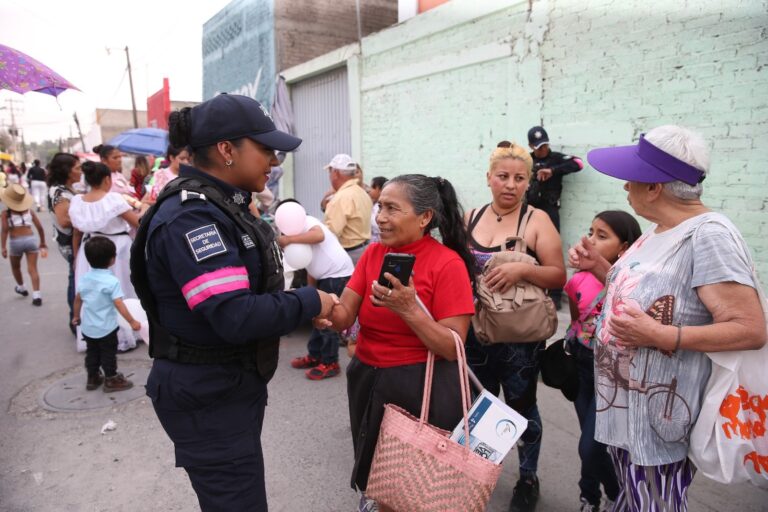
(514, 367)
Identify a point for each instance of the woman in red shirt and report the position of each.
(395, 333)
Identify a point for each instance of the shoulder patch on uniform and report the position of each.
(205, 242)
(189, 195)
(247, 242)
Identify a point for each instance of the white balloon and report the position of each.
(136, 311)
(290, 218)
(298, 256)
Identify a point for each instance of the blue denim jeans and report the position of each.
(596, 465)
(324, 344)
(513, 367)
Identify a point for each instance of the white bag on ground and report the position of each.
(134, 307)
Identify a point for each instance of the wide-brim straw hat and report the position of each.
(16, 198)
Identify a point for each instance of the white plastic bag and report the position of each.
(729, 442)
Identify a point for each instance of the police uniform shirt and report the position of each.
(204, 272)
(551, 189)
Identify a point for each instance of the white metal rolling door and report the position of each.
(321, 113)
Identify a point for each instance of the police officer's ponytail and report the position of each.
(180, 127)
(437, 194)
(180, 136)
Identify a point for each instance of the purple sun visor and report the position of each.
(643, 163)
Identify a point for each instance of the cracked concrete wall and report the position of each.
(440, 90)
(616, 69)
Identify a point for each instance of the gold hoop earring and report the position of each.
(228, 163)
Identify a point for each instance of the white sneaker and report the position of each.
(607, 505)
(367, 504)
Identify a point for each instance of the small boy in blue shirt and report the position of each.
(99, 295)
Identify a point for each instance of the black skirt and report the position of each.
(369, 388)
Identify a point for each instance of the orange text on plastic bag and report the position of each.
(757, 460)
(753, 405)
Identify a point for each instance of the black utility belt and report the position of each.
(197, 354)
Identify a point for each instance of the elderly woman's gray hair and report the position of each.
(685, 145)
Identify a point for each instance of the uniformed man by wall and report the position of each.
(549, 167)
(209, 275)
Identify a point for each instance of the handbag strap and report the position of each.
(522, 224)
(474, 217)
(463, 384)
(461, 361)
(600, 296)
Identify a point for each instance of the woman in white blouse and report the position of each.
(104, 213)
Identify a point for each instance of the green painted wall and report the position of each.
(439, 91)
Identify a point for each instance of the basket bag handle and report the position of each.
(463, 381)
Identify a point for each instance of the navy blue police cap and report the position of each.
(537, 137)
(231, 117)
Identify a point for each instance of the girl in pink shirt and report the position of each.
(612, 232)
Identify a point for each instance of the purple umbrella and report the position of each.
(21, 73)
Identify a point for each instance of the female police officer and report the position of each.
(210, 277)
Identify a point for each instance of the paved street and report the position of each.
(60, 461)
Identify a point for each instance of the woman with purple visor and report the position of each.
(684, 288)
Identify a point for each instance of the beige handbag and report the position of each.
(523, 313)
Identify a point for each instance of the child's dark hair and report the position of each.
(378, 182)
(95, 173)
(624, 225)
(99, 251)
(287, 200)
(174, 151)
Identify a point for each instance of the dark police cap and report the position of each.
(537, 137)
(231, 117)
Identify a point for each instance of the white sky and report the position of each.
(164, 38)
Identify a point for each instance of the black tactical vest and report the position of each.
(261, 354)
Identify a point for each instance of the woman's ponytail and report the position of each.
(450, 223)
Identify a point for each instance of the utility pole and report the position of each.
(79, 132)
(13, 130)
(23, 148)
(130, 81)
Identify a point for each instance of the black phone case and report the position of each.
(399, 265)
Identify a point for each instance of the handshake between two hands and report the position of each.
(328, 301)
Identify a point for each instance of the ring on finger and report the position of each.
(389, 292)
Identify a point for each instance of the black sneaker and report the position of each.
(37, 302)
(525, 495)
(586, 506)
(21, 291)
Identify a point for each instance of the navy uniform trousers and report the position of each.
(214, 414)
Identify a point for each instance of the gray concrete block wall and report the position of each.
(305, 29)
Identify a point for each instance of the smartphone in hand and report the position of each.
(399, 265)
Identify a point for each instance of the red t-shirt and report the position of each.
(442, 283)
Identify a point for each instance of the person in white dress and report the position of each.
(104, 213)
